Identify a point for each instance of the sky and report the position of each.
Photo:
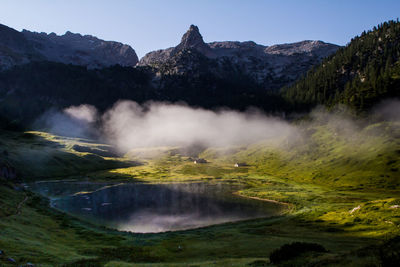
(149, 25)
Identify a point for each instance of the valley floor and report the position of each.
(346, 201)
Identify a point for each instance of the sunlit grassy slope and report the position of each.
(367, 158)
(39, 155)
(341, 189)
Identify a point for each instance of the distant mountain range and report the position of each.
(42, 71)
(270, 67)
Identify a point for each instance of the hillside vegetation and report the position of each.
(359, 75)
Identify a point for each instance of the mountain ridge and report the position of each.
(193, 39)
(269, 66)
(71, 48)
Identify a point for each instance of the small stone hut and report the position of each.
(199, 161)
(240, 164)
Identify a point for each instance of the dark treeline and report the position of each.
(29, 90)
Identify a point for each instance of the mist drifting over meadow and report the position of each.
(128, 125)
(161, 124)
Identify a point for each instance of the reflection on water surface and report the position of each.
(153, 208)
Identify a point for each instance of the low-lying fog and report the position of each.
(128, 125)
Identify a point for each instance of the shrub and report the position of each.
(293, 250)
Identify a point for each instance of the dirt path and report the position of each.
(263, 199)
(19, 206)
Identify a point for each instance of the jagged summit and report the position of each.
(192, 39)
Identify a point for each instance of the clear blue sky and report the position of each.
(148, 25)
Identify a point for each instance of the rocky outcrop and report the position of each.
(192, 39)
(272, 67)
(18, 48)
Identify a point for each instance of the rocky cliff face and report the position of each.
(272, 67)
(22, 47)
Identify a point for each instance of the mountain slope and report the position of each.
(366, 71)
(15, 49)
(18, 48)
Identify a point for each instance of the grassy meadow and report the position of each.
(339, 189)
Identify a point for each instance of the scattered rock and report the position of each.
(355, 209)
(11, 260)
(394, 207)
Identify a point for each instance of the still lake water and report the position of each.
(152, 208)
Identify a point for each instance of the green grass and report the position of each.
(341, 192)
(39, 155)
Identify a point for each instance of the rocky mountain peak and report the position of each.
(192, 38)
